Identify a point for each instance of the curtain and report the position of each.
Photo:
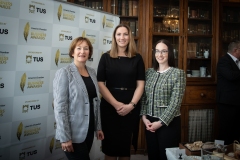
(201, 124)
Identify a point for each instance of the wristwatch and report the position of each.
(134, 105)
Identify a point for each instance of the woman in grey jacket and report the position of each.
(161, 101)
(76, 102)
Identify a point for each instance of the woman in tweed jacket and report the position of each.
(76, 102)
(161, 101)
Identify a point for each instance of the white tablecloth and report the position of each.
(171, 153)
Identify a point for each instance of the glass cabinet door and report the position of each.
(167, 24)
(230, 25)
(199, 39)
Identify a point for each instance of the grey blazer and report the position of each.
(71, 104)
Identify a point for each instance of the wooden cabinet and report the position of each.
(190, 26)
(200, 95)
(229, 24)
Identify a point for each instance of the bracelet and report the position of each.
(134, 105)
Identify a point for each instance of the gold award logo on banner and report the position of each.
(59, 14)
(23, 82)
(84, 34)
(19, 131)
(1, 112)
(104, 21)
(5, 4)
(26, 31)
(57, 55)
(51, 144)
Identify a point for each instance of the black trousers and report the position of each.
(228, 122)
(164, 137)
(81, 150)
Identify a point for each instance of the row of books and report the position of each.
(231, 35)
(172, 11)
(124, 7)
(231, 16)
(198, 13)
(91, 4)
(133, 26)
(199, 29)
(160, 27)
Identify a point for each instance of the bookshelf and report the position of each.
(94, 4)
(128, 12)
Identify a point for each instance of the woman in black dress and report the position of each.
(121, 76)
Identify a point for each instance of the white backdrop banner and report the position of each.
(34, 43)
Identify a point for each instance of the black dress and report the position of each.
(119, 72)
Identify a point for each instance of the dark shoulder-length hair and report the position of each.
(74, 44)
(171, 61)
(131, 49)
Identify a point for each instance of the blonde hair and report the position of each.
(131, 49)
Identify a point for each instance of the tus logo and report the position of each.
(104, 21)
(87, 19)
(19, 131)
(35, 59)
(105, 41)
(41, 10)
(38, 59)
(34, 107)
(59, 13)
(3, 31)
(23, 81)
(25, 108)
(31, 8)
(28, 58)
(1, 85)
(1, 112)
(63, 37)
(26, 31)
(22, 155)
